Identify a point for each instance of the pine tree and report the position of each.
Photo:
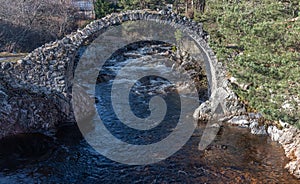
(102, 8)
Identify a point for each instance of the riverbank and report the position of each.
(285, 134)
(258, 43)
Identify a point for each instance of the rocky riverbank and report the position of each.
(286, 135)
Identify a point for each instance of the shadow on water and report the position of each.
(235, 156)
(23, 149)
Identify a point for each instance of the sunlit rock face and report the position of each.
(289, 138)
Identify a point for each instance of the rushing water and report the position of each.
(235, 156)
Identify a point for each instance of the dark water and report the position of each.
(235, 156)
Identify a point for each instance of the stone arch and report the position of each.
(189, 27)
(50, 67)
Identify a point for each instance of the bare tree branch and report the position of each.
(54, 18)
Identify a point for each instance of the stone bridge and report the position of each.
(49, 69)
(35, 92)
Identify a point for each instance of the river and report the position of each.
(235, 156)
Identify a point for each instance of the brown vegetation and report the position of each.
(25, 25)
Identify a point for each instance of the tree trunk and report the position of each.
(192, 4)
(186, 6)
(200, 6)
